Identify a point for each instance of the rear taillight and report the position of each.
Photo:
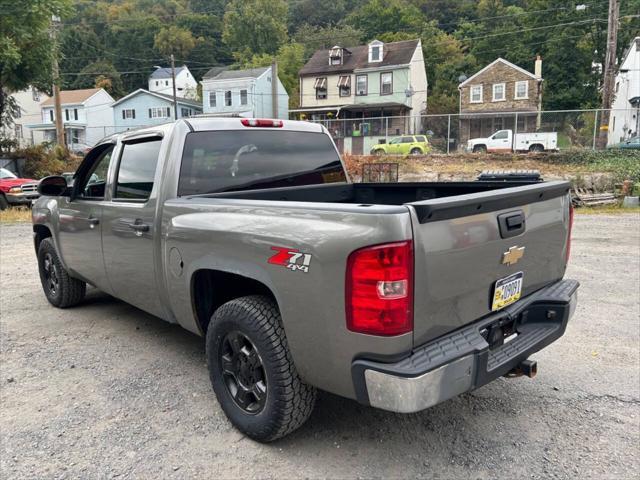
(261, 122)
(569, 232)
(379, 289)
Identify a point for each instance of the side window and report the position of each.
(407, 139)
(394, 141)
(502, 134)
(137, 169)
(421, 138)
(92, 185)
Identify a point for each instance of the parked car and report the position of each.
(80, 149)
(404, 145)
(15, 190)
(502, 141)
(632, 143)
(248, 233)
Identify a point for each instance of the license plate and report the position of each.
(507, 291)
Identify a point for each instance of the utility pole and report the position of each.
(609, 72)
(274, 88)
(55, 22)
(173, 78)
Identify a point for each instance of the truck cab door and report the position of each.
(500, 141)
(129, 236)
(80, 219)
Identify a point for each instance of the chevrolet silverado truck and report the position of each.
(248, 233)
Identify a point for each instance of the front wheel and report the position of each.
(252, 372)
(480, 149)
(378, 153)
(3, 202)
(59, 287)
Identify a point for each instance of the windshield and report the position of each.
(4, 173)
(235, 160)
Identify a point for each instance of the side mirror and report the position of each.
(53, 186)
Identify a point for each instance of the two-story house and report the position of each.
(498, 96)
(624, 121)
(161, 81)
(244, 93)
(143, 108)
(86, 115)
(28, 102)
(373, 90)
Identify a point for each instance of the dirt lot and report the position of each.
(106, 391)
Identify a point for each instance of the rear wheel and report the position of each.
(416, 151)
(378, 152)
(59, 287)
(3, 202)
(252, 372)
(480, 149)
(536, 148)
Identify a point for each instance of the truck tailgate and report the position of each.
(462, 248)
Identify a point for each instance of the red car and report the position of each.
(16, 191)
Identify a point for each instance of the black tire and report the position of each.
(480, 149)
(536, 148)
(59, 287)
(378, 152)
(415, 151)
(3, 202)
(286, 402)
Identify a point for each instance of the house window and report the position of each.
(19, 132)
(375, 52)
(185, 112)
(227, 98)
(522, 90)
(476, 94)
(51, 115)
(35, 94)
(160, 112)
(386, 83)
(498, 92)
(75, 114)
(157, 83)
(321, 88)
(128, 113)
(335, 56)
(212, 99)
(617, 86)
(361, 84)
(344, 85)
(66, 114)
(166, 83)
(243, 97)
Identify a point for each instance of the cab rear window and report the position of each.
(233, 160)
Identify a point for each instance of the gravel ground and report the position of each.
(104, 390)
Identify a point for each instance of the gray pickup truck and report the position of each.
(248, 233)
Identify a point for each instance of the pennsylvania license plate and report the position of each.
(507, 291)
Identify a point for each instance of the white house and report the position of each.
(243, 93)
(161, 81)
(28, 102)
(87, 117)
(625, 115)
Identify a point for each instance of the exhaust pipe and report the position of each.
(526, 367)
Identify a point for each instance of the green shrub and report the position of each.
(623, 164)
(44, 159)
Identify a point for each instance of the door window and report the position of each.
(92, 185)
(407, 139)
(501, 135)
(137, 170)
(394, 141)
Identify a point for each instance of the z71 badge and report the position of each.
(291, 258)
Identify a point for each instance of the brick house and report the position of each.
(491, 99)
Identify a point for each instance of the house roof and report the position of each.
(72, 97)
(182, 101)
(165, 72)
(498, 60)
(394, 53)
(216, 73)
(630, 48)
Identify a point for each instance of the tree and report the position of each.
(314, 38)
(100, 74)
(255, 26)
(26, 51)
(386, 16)
(174, 40)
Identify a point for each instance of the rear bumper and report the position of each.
(463, 360)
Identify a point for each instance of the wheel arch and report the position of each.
(40, 232)
(536, 147)
(212, 288)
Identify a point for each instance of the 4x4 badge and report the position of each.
(291, 258)
(513, 255)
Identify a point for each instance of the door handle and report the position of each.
(138, 227)
(93, 221)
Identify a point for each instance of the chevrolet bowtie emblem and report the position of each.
(512, 256)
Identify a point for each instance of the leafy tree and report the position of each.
(383, 16)
(26, 51)
(314, 38)
(100, 74)
(255, 26)
(174, 40)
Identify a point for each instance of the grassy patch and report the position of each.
(606, 210)
(15, 215)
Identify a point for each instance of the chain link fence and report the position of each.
(577, 129)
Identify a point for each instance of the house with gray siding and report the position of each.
(243, 93)
(143, 108)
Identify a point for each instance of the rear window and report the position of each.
(234, 160)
